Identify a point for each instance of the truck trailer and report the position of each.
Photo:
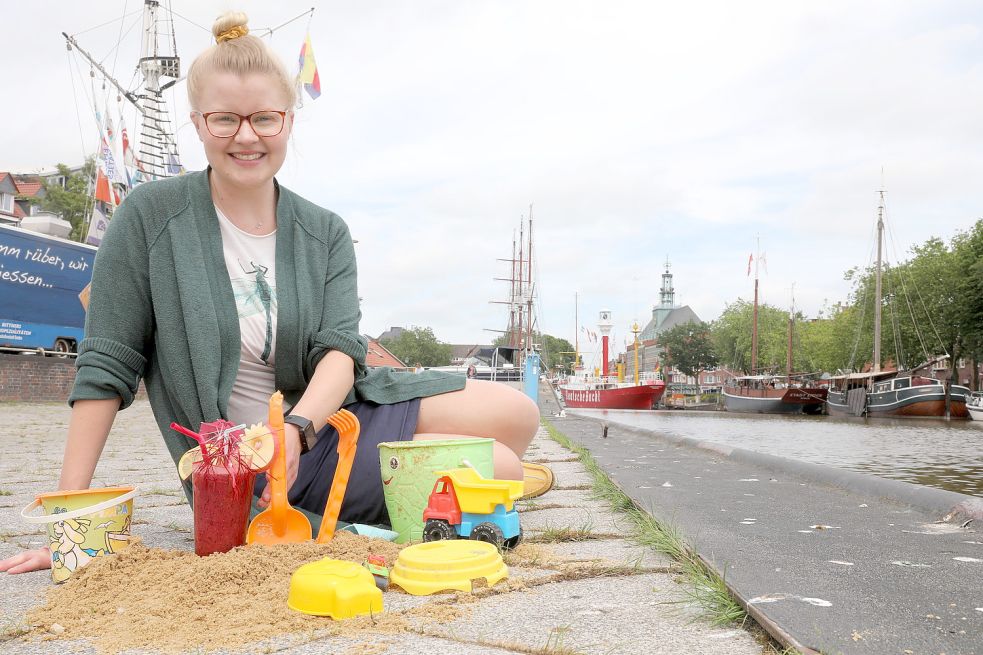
(44, 290)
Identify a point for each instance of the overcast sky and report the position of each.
(637, 130)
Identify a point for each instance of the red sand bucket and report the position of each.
(83, 525)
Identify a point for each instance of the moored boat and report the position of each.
(608, 393)
(975, 407)
(889, 393)
(769, 394)
(585, 391)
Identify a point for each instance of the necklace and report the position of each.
(260, 224)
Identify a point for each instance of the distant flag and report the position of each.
(750, 258)
(97, 227)
(104, 190)
(174, 166)
(110, 129)
(130, 164)
(128, 158)
(763, 260)
(308, 69)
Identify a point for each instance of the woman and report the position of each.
(219, 287)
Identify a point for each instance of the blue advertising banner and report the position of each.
(43, 285)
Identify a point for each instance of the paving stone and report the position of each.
(630, 615)
(562, 497)
(597, 520)
(618, 551)
(393, 645)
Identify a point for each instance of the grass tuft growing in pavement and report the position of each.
(554, 535)
(705, 587)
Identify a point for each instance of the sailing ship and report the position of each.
(893, 393)
(772, 394)
(155, 153)
(583, 390)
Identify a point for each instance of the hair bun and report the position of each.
(233, 33)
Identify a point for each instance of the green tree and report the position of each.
(732, 333)
(73, 201)
(418, 345)
(968, 260)
(689, 348)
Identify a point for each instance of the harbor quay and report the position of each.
(827, 560)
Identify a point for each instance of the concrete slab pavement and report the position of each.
(569, 603)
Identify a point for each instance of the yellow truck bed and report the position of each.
(478, 495)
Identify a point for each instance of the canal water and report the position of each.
(947, 455)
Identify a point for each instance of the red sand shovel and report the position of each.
(347, 426)
(279, 523)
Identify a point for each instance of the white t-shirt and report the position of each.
(251, 262)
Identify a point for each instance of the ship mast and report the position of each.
(157, 154)
(529, 291)
(521, 325)
(754, 318)
(877, 292)
(791, 328)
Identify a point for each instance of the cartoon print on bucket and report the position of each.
(409, 471)
(83, 525)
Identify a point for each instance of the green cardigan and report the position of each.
(162, 309)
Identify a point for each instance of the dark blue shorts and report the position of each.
(364, 501)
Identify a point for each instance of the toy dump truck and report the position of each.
(465, 505)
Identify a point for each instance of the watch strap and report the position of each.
(306, 428)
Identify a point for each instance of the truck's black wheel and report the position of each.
(514, 541)
(489, 533)
(438, 529)
(63, 347)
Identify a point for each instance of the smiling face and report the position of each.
(245, 160)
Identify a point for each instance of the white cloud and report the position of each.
(638, 130)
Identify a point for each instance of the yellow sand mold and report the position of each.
(425, 569)
(335, 588)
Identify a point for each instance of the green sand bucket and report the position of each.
(409, 472)
(83, 525)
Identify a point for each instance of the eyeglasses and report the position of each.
(226, 124)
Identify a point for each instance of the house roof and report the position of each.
(377, 356)
(465, 350)
(28, 187)
(7, 183)
(664, 320)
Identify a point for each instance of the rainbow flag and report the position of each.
(308, 69)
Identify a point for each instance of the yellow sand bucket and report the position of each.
(83, 525)
(409, 472)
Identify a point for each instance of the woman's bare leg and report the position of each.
(483, 409)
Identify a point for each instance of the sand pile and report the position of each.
(173, 600)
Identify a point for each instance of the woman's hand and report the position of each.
(29, 560)
(291, 435)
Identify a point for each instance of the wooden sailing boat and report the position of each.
(771, 394)
(155, 154)
(893, 394)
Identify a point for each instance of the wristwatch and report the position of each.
(307, 435)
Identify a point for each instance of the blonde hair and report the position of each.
(237, 52)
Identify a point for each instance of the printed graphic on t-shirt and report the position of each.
(255, 297)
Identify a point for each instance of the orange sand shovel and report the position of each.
(347, 426)
(279, 523)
